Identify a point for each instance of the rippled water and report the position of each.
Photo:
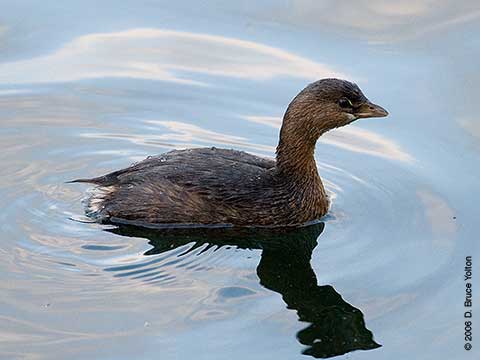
(86, 88)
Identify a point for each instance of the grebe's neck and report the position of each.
(296, 146)
(295, 155)
(296, 167)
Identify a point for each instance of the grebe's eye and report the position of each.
(345, 103)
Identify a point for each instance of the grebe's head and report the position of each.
(323, 105)
(330, 103)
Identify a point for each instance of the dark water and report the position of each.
(86, 88)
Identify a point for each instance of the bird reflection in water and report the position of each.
(335, 327)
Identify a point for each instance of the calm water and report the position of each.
(88, 88)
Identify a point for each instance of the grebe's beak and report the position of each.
(368, 110)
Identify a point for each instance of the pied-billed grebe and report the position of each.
(210, 186)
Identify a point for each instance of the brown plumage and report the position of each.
(210, 186)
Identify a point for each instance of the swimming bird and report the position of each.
(221, 187)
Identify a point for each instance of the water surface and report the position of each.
(86, 88)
